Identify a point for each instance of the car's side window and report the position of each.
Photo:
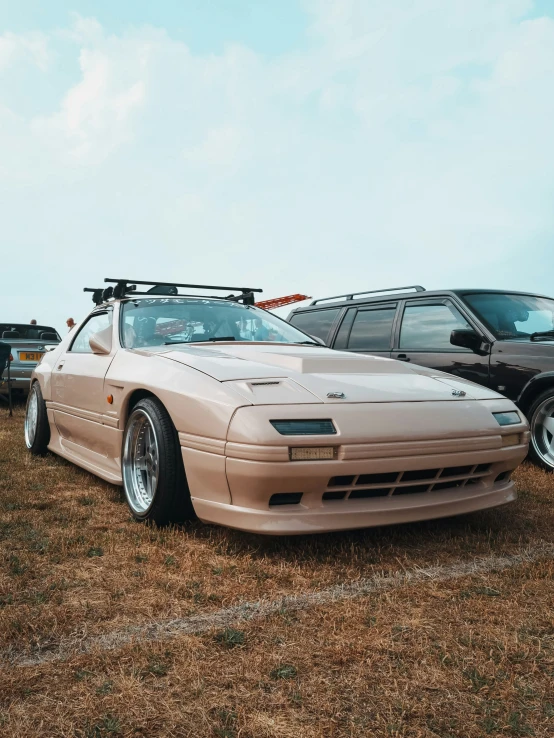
(367, 329)
(316, 322)
(428, 327)
(94, 324)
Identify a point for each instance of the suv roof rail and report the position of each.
(352, 295)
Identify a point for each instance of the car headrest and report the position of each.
(48, 336)
(10, 334)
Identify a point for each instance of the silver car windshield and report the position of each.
(27, 332)
(163, 321)
(513, 316)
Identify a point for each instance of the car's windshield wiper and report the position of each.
(204, 340)
(541, 334)
(307, 343)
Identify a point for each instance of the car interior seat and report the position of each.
(10, 334)
(148, 334)
(129, 336)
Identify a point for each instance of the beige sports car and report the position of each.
(209, 406)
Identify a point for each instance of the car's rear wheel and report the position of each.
(541, 420)
(37, 427)
(154, 480)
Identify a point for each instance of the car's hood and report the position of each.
(267, 373)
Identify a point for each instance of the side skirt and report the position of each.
(97, 464)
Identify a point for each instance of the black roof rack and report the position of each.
(124, 287)
(352, 295)
(99, 294)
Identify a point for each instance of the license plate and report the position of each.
(313, 453)
(30, 355)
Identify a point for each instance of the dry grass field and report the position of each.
(109, 628)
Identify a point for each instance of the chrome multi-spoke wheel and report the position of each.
(37, 427)
(542, 431)
(141, 461)
(154, 479)
(31, 417)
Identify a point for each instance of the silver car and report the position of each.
(28, 344)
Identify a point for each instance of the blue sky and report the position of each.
(206, 26)
(319, 146)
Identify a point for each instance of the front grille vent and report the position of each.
(403, 483)
(285, 498)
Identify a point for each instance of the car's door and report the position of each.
(424, 338)
(367, 329)
(78, 386)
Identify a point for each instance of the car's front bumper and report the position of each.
(349, 514)
(237, 492)
(393, 463)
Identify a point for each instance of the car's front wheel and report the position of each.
(541, 420)
(37, 427)
(154, 480)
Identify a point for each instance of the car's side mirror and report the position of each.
(468, 339)
(101, 342)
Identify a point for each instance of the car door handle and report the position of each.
(403, 357)
(60, 366)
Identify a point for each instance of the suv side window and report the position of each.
(316, 322)
(428, 327)
(371, 329)
(95, 323)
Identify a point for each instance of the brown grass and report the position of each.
(467, 657)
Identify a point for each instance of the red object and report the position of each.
(172, 326)
(280, 301)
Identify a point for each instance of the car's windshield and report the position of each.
(159, 321)
(27, 331)
(513, 316)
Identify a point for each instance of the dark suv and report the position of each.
(503, 340)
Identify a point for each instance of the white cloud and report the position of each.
(95, 115)
(18, 48)
(408, 141)
(220, 147)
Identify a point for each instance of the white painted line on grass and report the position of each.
(196, 624)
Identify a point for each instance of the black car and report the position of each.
(503, 340)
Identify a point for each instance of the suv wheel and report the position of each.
(541, 420)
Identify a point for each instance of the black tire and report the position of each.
(542, 406)
(169, 502)
(36, 440)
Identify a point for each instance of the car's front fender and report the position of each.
(197, 404)
(534, 386)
